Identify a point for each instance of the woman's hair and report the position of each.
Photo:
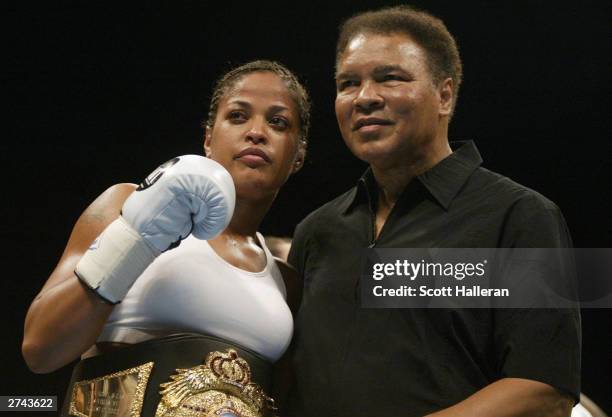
(297, 90)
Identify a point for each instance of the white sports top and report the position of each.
(193, 289)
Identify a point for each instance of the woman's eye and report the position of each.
(279, 122)
(236, 116)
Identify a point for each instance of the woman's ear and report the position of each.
(207, 140)
(299, 159)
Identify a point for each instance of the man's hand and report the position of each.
(512, 397)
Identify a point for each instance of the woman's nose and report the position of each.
(256, 131)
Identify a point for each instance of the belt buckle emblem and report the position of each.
(221, 387)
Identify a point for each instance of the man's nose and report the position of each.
(256, 133)
(368, 98)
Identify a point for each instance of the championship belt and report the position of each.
(182, 375)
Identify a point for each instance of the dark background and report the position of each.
(96, 93)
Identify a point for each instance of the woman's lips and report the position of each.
(253, 157)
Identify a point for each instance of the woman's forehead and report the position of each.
(260, 86)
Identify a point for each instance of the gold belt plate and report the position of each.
(116, 395)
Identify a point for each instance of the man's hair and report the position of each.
(427, 31)
(300, 96)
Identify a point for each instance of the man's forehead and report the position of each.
(382, 41)
(378, 53)
(356, 43)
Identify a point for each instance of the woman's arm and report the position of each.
(188, 194)
(66, 318)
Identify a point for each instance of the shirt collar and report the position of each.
(443, 181)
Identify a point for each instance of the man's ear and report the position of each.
(447, 95)
(207, 140)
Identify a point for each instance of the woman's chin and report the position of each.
(255, 190)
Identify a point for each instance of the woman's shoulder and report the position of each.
(99, 214)
(109, 201)
(115, 194)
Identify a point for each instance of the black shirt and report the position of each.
(351, 361)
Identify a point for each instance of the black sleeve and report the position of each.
(538, 344)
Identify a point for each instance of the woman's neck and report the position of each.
(247, 217)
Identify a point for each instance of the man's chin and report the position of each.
(375, 152)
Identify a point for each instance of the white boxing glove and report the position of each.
(188, 194)
(185, 193)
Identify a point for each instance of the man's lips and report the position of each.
(253, 154)
(370, 121)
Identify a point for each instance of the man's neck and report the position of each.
(393, 179)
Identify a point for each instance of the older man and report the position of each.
(398, 75)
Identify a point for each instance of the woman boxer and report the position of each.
(132, 287)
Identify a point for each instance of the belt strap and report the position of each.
(160, 359)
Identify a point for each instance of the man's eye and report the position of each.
(279, 122)
(342, 85)
(392, 77)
